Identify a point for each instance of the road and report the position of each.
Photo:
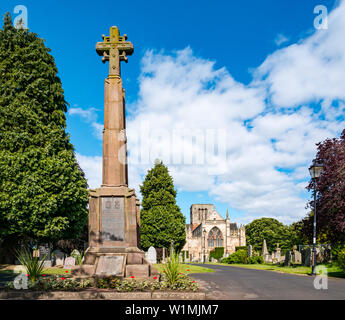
(230, 282)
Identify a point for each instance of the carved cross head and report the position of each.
(114, 49)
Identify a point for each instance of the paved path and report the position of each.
(240, 283)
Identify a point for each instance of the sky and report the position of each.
(232, 95)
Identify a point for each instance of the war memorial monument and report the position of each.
(114, 211)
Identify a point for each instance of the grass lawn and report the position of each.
(186, 268)
(332, 269)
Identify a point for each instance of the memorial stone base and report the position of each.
(114, 236)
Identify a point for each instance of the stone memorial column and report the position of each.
(114, 212)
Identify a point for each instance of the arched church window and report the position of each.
(215, 238)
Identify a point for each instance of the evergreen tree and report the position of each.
(273, 232)
(161, 219)
(43, 192)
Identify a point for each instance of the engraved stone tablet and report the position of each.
(110, 265)
(113, 224)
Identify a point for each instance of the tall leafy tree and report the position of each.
(330, 187)
(43, 192)
(161, 219)
(273, 231)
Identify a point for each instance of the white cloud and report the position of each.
(97, 130)
(271, 125)
(92, 167)
(89, 116)
(310, 70)
(280, 39)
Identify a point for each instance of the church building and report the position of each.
(208, 230)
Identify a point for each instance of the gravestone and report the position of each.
(151, 255)
(287, 261)
(278, 253)
(59, 258)
(264, 248)
(296, 256)
(268, 258)
(319, 256)
(75, 253)
(171, 248)
(163, 259)
(250, 250)
(44, 252)
(308, 257)
(110, 266)
(69, 263)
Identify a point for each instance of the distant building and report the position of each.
(208, 230)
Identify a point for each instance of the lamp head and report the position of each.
(315, 170)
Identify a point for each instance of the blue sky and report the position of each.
(251, 68)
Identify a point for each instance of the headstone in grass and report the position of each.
(287, 261)
(69, 263)
(250, 250)
(307, 257)
(296, 256)
(59, 258)
(151, 255)
(44, 252)
(278, 253)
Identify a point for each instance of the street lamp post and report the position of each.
(315, 171)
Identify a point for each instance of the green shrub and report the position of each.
(335, 251)
(241, 248)
(216, 253)
(77, 256)
(171, 268)
(255, 260)
(107, 282)
(341, 259)
(239, 256)
(33, 265)
(51, 283)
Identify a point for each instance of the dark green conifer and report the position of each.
(161, 219)
(43, 191)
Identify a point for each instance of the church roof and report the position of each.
(195, 225)
(233, 226)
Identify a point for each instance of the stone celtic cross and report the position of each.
(114, 49)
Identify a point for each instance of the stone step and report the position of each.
(138, 270)
(83, 270)
(114, 249)
(135, 258)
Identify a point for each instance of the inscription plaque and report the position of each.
(110, 265)
(113, 220)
